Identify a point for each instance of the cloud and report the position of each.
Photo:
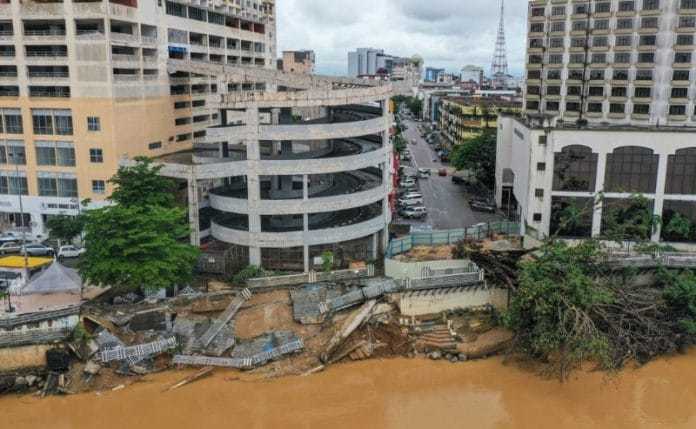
(446, 33)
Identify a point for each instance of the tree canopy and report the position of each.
(65, 228)
(477, 155)
(140, 242)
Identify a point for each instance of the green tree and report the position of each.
(679, 227)
(629, 220)
(65, 228)
(680, 295)
(141, 185)
(551, 310)
(141, 241)
(327, 261)
(477, 155)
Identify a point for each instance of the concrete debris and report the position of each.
(211, 303)
(138, 352)
(157, 319)
(307, 299)
(487, 344)
(352, 323)
(224, 319)
(129, 298)
(107, 341)
(92, 368)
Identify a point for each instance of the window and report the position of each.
(558, 27)
(538, 11)
(687, 4)
(626, 6)
(98, 186)
(555, 59)
(542, 140)
(643, 75)
(599, 42)
(13, 183)
(622, 58)
(57, 185)
(556, 42)
(650, 22)
(681, 172)
(680, 75)
(580, 9)
(631, 169)
(55, 153)
(624, 24)
(687, 21)
(553, 90)
(572, 106)
(11, 121)
(685, 39)
(617, 108)
(575, 169)
(646, 57)
(601, 24)
(12, 152)
(577, 58)
(553, 75)
(541, 166)
(596, 91)
(651, 4)
(537, 217)
(619, 91)
(578, 42)
(682, 57)
(620, 75)
(596, 74)
(552, 106)
(624, 41)
(642, 92)
(677, 110)
(96, 156)
(594, 107)
(574, 90)
(579, 25)
(558, 11)
(50, 122)
(536, 27)
(599, 58)
(603, 7)
(641, 109)
(154, 145)
(575, 75)
(650, 40)
(533, 74)
(680, 92)
(93, 123)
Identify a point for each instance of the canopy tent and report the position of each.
(54, 279)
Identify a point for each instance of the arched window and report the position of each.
(575, 169)
(681, 172)
(631, 169)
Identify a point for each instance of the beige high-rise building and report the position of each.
(298, 62)
(85, 84)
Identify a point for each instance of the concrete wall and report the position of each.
(418, 270)
(16, 358)
(436, 301)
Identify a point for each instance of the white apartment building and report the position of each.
(85, 84)
(609, 107)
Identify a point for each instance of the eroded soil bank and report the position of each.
(393, 393)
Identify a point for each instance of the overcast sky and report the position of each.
(446, 33)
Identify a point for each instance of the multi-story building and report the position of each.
(85, 84)
(433, 74)
(464, 117)
(610, 108)
(472, 73)
(298, 62)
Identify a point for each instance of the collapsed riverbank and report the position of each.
(391, 393)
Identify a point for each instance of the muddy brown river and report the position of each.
(395, 393)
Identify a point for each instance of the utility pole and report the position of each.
(15, 160)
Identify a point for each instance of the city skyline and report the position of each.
(446, 33)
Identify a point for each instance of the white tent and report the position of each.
(54, 279)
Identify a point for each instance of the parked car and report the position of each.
(407, 184)
(457, 180)
(9, 247)
(9, 237)
(480, 206)
(417, 212)
(70, 251)
(442, 172)
(410, 202)
(424, 172)
(37, 250)
(410, 194)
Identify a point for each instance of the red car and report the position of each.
(442, 172)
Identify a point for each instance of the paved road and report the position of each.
(446, 202)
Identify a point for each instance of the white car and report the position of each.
(408, 202)
(70, 252)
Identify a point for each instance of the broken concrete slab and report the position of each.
(306, 301)
(157, 319)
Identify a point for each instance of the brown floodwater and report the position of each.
(397, 393)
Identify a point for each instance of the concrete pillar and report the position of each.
(305, 187)
(601, 177)
(660, 193)
(375, 245)
(194, 220)
(255, 256)
(305, 252)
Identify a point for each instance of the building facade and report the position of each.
(298, 62)
(433, 74)
(472, 73)
(85, 84)
(609, 107)
(461, 118)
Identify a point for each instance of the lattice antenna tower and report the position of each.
(500, 64)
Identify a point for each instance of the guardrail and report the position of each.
(310, 277)
(620, 259)
(452, 236)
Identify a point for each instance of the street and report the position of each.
(446, 202)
